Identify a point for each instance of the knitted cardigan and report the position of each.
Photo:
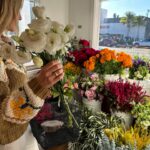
(20, 100)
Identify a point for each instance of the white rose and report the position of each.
(40, 25)
(57, 27)
(38, 61)
(33, 41)
(39, 12)
(54, 43)
(8, 52)
(70, 30)
(23, 57)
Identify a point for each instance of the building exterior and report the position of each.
(113, 26)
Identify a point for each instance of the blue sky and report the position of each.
(139, 7)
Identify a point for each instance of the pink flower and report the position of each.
(75, 85)
(94, 76)
(66, 85)
(90, 94)
(82, 92)
(93, 88)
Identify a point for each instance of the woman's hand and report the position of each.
(50, 74)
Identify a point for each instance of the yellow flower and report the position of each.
(71, 67)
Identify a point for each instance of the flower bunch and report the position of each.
(142, 114)
(108, 62)
(44, 36)
(122, 94)
(106, 55)
(79, 56)
(45, 113)
(124, 59)
(84, 43)
(44, 41)
(90, 87)
(136, 138)
(71, 69)
(140, 69)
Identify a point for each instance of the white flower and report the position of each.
(39, 12)
(23, 57)
(64, 37)
(70, 30)
(64, 50)
(138, 75)
(54, 43)
(8, 52)
(33, 41)
(38, 61)
(40, 25)
(57, 27)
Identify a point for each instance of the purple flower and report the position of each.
(139, 62)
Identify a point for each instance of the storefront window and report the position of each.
(125, 24)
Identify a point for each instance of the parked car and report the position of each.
(142, 43)
(107, 42)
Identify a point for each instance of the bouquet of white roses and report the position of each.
(44, 41)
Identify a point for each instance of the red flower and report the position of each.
(45, 113)
(82, 55)
(124, 93)
(84, 43)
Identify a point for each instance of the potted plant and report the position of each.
(132, 139)
(92, 136)
(140, 72)
(89, 88)
(140, 69)
(109, 63)
(142, 113)
(120, 97)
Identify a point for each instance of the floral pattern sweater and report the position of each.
(20, 99)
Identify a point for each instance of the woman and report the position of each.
(20, 99)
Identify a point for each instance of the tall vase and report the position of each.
(125, 116)
(93, 105)
(111, 77)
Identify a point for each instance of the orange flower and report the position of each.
(125, 59)
(97, 55)
(108, 57)
(102, 60)
(92, 59)
(89, 65)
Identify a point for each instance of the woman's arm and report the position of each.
(21, 106)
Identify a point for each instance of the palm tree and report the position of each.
(129, 20)
(139, 21)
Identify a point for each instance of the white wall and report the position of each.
(57, 10)
(78, 12)
(80, 15)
